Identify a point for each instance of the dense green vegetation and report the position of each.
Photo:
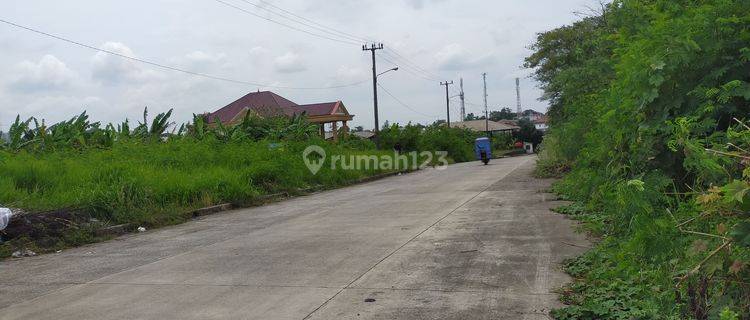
(649, 102)
(78, 172)
(502, 114)
(459, 142)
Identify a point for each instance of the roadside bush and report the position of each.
(649, 101)
(503, 141)
(458, 142)
(528, 132)
(550, 162)
(356, 143)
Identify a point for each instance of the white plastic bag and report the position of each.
(5, 214)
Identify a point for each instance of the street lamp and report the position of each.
(386, 71)
(375, 92)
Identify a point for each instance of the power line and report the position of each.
(404, 104)
(455, 93)
(340, 33)
(283, 24)
(335, 34)
(408, 70)
(411, 68)
(479, 108)
(171, 68)
(315, 23)
(414, 65)
(418, 71)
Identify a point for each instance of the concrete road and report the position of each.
(469, 242)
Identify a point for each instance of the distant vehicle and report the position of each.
(483, 149)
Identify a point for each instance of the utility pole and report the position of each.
(518, 98)
(463, 101)
(447, 102)
(486, 111)
(372, 48)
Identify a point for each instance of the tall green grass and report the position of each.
(151, 184)
(156, 183)
(148, 177)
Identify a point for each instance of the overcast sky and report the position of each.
(448, 39)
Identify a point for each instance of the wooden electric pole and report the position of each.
(372, 48)
(447, 102)
(463, 100)
(486, 111)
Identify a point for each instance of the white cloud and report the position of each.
(455, 57)
(207, 37)
(289, 63)
(112, 70)
(199, 60)
(258, 50)
(419, 4)
(349, 73)
(48, 74)
(54, 108)
(501, 36)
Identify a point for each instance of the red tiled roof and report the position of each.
(508, 122)
(542, 119)
(318, 109)
(264, 103)
(481, 125)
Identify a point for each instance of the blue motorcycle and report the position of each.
(483, 149)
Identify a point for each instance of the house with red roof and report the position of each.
(269, 104)
(541, 123)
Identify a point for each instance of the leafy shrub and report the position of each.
(458, 142)
(647, 106)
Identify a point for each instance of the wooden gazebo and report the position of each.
(269, 104)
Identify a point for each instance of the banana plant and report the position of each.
(141, 131)
(18, 133)
(254, 127)
(158, 126)
(199, 128)
(222, 132)
(298, 128)
(123, 130)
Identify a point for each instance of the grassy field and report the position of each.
(148, 183)
(156, 184)
(74, 178)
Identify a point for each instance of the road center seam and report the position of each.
(410, 240)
